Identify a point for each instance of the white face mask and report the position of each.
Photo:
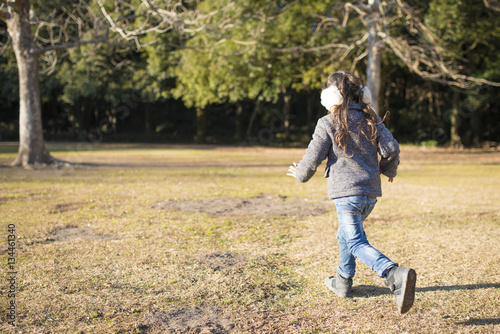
(331, 97)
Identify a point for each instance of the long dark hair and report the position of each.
(351, 89)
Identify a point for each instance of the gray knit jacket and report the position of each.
(356, 172)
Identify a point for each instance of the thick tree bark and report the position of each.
(373, 68)
(31, 144)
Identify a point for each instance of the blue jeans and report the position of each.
(351, 212)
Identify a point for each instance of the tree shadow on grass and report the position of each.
(459, 287)
(480, 322)
(366, 291)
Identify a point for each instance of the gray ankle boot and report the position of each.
(402, 281)
(340, 285)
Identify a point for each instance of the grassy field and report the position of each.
(102, 248)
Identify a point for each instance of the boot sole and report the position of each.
(409, 291)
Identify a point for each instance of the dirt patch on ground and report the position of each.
(205, 319)
(257, 206)
(78, 233)
(65, 207)
(221, 261)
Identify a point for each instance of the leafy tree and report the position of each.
(20, 16)
(260, 58)
(38, 29)
(212, 68)
(470, 31)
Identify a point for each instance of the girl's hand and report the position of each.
(390, 179)
(291, 170)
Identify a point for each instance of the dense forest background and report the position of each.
(249, 73)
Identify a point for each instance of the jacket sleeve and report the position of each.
(388, 148)
(316, 152)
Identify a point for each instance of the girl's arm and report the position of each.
(316, 152)
(388, 148)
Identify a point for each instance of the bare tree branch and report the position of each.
(437, 70)
(174, 16)
(223, 40)
(325, 21)
(358, 58)
(110, 20)
(348, 6)
(303, 49)
(492, 4)
(4, 14)
(51, 59)
(133, 35)
(425, 32)
(72, 45)
(430, 59)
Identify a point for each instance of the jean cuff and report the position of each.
(386, 270)
(343, 274)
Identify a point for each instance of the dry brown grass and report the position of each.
(95, 254)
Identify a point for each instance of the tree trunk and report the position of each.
(311, 97)
(201, 125)
(31, 144)
(238, 122)
(287, 107)
(148, 120)
(256, 110)
(475, 124)
(373, 68)
(455, 121)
